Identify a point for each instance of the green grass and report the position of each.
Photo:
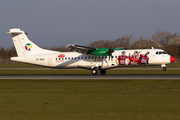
(89, 99)
(56, 72)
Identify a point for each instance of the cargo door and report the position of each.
(50, 62)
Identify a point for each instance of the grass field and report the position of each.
(89, 99)
(66, 71)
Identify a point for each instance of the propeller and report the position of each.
(110, 52)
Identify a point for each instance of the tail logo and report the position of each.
(28, 47)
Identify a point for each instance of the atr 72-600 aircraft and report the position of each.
(85, 57)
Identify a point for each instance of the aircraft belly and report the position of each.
(30, 60)
(66, 65)
(85, 64)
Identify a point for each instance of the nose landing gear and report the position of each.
(164, 67)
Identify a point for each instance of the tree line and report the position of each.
(170, 42)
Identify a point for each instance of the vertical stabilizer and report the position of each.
(23, 45)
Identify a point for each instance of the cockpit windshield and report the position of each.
(163, 52)
(160, 52)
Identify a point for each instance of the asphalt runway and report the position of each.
(93, 77)
(127, 68)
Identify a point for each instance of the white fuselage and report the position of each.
(88, 61)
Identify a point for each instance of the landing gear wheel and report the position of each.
(103, 72)
(164, 69)
(94, 71)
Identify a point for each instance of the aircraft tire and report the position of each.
(103, 72)
(164, 69)
(94, 71)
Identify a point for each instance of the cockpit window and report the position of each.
(160, 52)
(163, 52)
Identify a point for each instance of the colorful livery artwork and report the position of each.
(134, 59)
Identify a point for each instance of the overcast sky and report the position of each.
(61, 22)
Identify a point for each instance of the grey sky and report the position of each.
(61, 22)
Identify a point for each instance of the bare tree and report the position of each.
(60, 48)
(174, 41)
(102, 44)
(173, 47)
(124, 41)
(2, 53)
(164, 37)
(145, 43)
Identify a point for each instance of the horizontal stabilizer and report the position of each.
(15, 31)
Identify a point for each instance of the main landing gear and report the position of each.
(95, 71)
(103, 72)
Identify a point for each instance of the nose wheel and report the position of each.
(164, 69)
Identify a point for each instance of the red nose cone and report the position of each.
(172, 59)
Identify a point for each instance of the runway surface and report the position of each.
(92, 77)
(127, 68)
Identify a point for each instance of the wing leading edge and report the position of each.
(81, 49)
(91, 50)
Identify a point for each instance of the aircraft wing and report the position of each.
(81, 49)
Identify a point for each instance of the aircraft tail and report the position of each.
(23, 45)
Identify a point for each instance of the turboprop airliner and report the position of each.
(94, 59)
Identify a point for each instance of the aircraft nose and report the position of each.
(172, 59)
